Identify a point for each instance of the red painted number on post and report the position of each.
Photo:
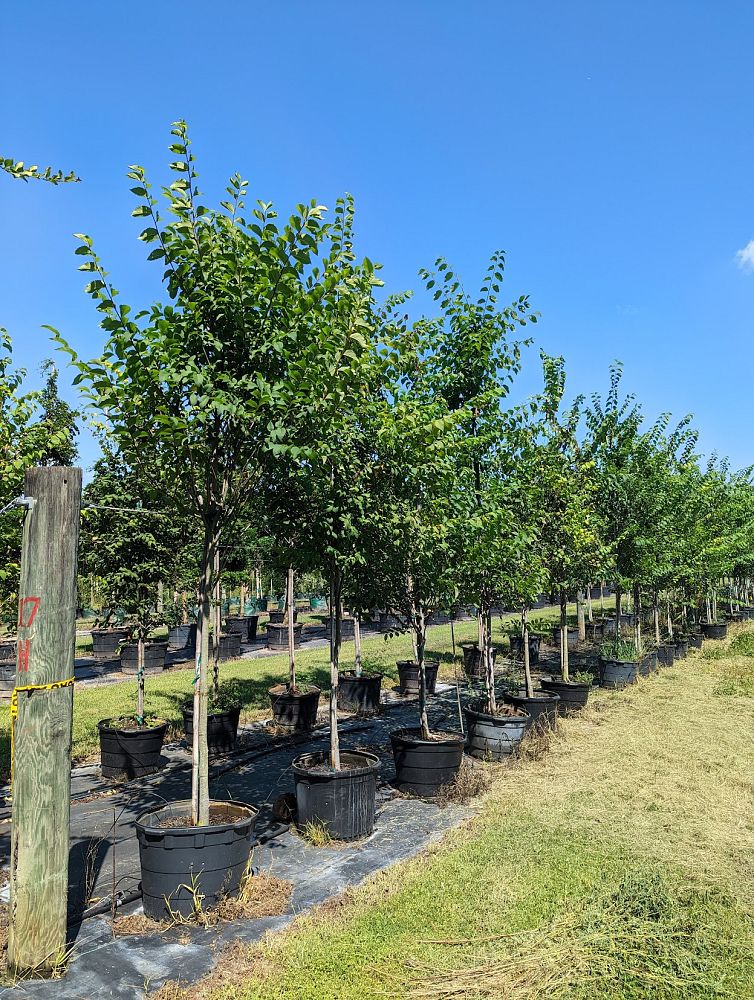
(27, 611)
(23, 655)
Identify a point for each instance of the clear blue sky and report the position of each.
(607, 147)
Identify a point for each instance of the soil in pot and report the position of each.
(277, 636)
(543, 707)
(573, 694)
(495, 737)
(128, 750)
(179, 860)
(618, 673)
(517, 647)
(423, 767)
(359, 694)
(408, 676)
(182, 637)
(472, 660)
(107, 641)
(343, 802)
(296, 710)
(154, 657)
(714, 630)
(222, 729)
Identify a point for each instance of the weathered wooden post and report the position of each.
(41, 720)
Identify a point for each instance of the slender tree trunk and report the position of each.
(357, 644)
(421, 641)
(656, 618)
(335, 613)
(618, 596)
(525, 649)
(589, 613)
(485, 651)
(714, 604)
(200, 761)
(217, 616)
(670, 617)
(580, 615)
(291, 632)
(564, 636)
(602, 597)
(637, 613)
(140, 681)
(160, 597)
(455, 672)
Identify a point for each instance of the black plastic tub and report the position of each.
(182, 637)
(107, 641)
(494, 737)
(543, 707)
(7, 649)
(517, 648)
(278, 617)
(408, 676)
(179, 863)
(359, 694)
(277, 636)
(346, 628)
(423, 767)
(341, 801)
(154, 657)
(618, 673)
(130, 753)
(696, 640)
(230, 646)
(296, 710)
(714, 630)
(648, 664)
(573, 694)
(666, 654)
(7, 679)
(222, 729)
(573, 636)
(595, 631)
(472, 660)
(681, 648)
(243, 625)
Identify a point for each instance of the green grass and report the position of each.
(616, 867)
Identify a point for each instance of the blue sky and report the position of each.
(607, 147)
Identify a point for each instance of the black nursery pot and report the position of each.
(543, 707)
(714, 630)
(346, 628)
(341, 801)
(359, 694)
(130, 753)
(154, 657)
(573, 694)
(696, 640)
(182, 637)
(178, 862)
(517, 648)
(243, 625)
(278, 617)
(277, 635)
(648, 664)
(423, 767)
(573, 636)
(494, 737)
(408, 676)
(107, 641)
(618, 673)
(681, 649)
(230, 646)
(472, 661)
(7, 679)
(666, 654)
(595, 631)
(222, 729)
(296, 710)
(7, 649)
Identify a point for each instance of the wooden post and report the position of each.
(40, 834)
(290, 615)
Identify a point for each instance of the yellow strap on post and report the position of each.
(14, 709)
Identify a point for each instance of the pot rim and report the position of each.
(499, 720)
(409, 735)
(315, 757)
(415, 663)
(143, 826)
(352, 676)
(103, 725)
(566, 684)
(280, 691)
(538, 696)
(189, 710)
(622, 663)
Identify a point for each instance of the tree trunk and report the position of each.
(602, 597)
(217, 612)
(140, 681)
(656, 617)
(589, 603)
(525, 650)
(200, 761)
(580, 615)
(637, 612)
(421, 641)
(335, 614)
(291, 633)
(357, 644)
(564, 636)
(670, 619)
(618, 596)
